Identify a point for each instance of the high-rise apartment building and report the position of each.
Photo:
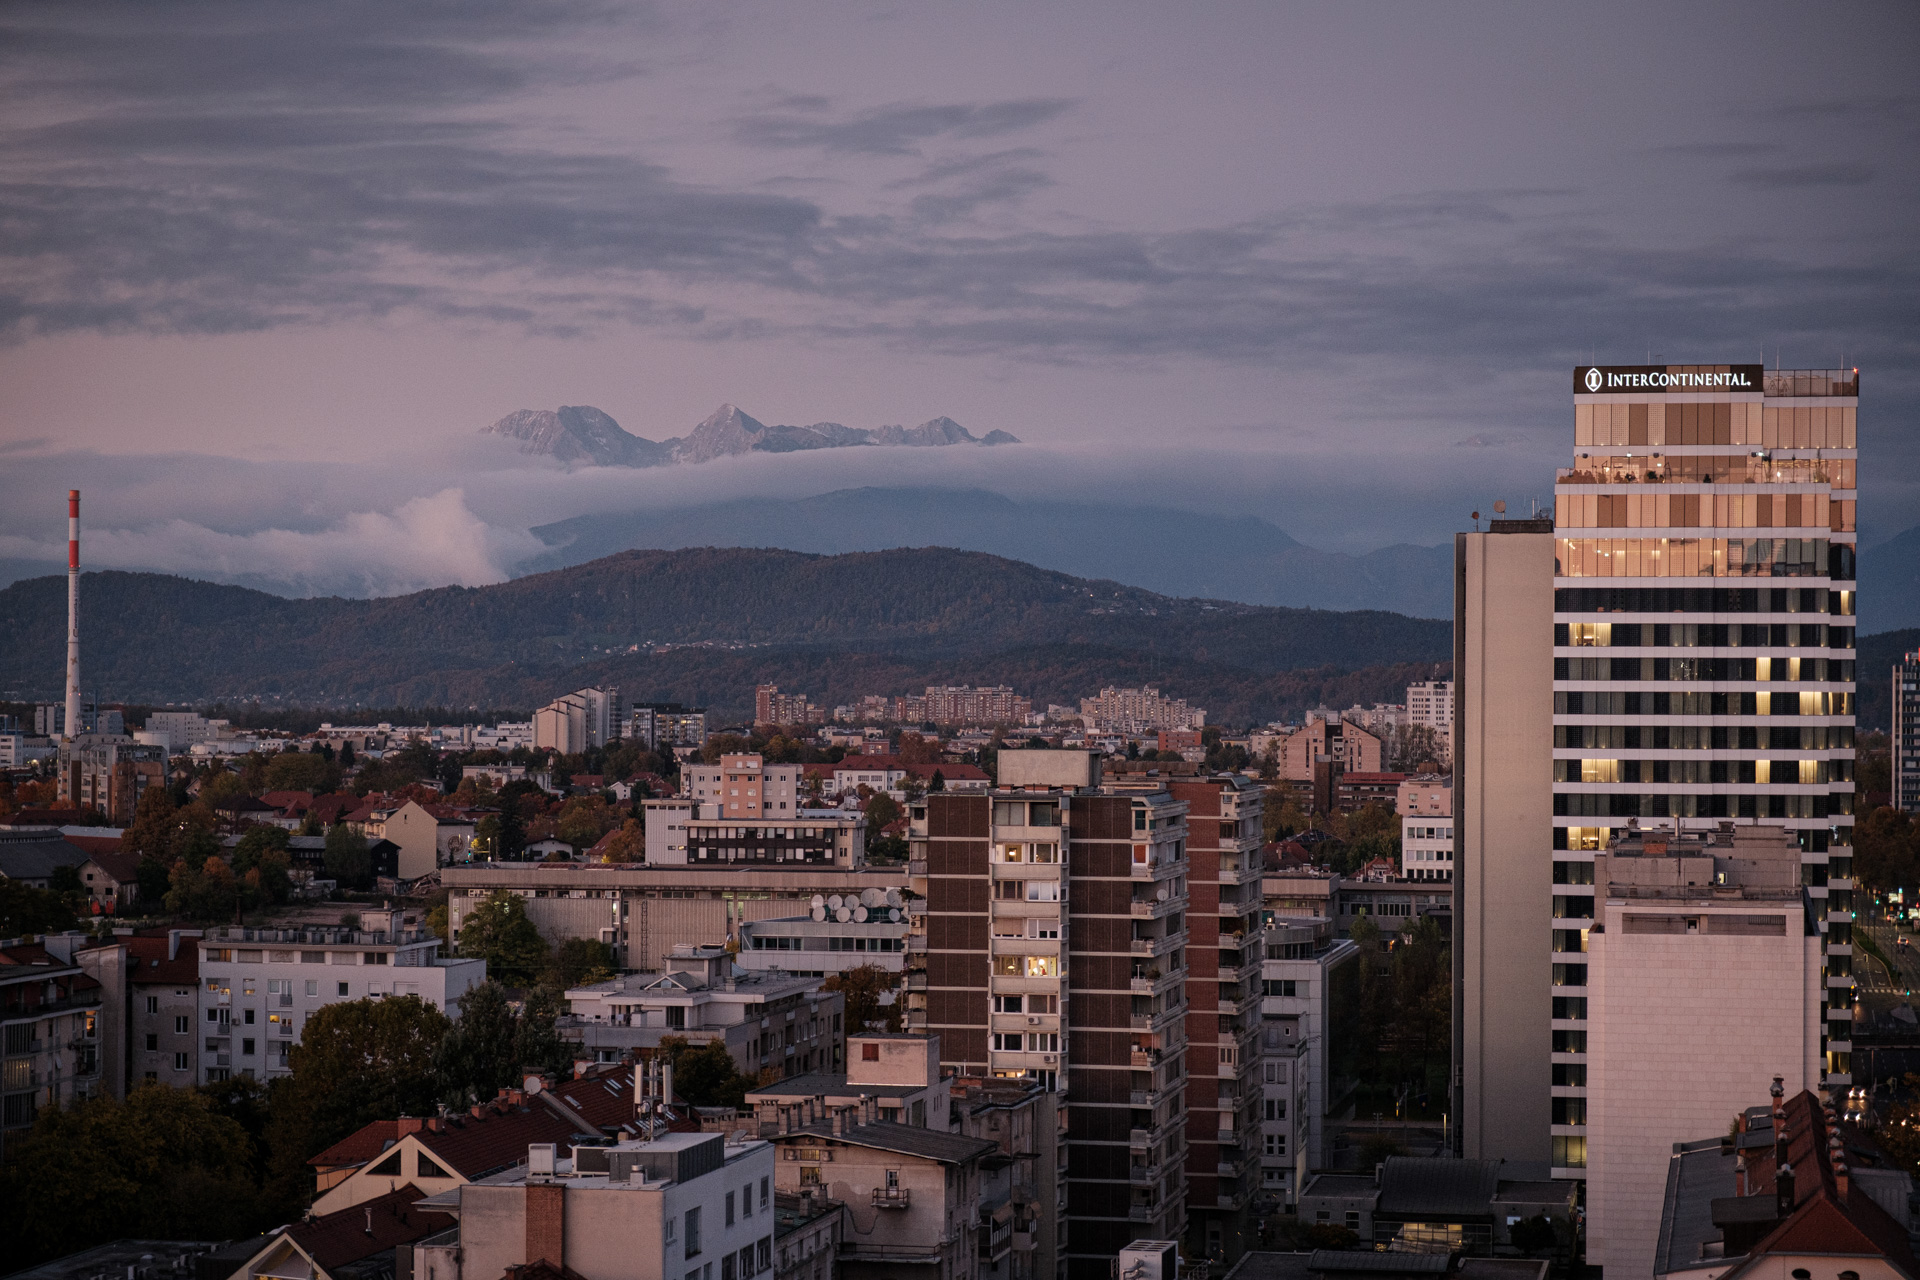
(1136, 712)
(1703, 649)
(1906, 734)
(1053, 946)
(772, 707)
(578, 720)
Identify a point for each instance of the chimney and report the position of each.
(1784, 1198)
(546, 1239)
(840, 1121)
(409, 1124)
(73, 617)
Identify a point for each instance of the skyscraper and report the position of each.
(1703, 651)
(1906, 734)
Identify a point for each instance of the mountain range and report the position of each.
(704, 626)
(582, 434)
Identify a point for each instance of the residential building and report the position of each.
(179, 730)
(1308, 1047)
(962, 704)
(1054, 941)
(677, 1204)
(817, 945)
(1137, 713)
(428, 837)
(438, 1153)
(108, 772)
(767, 1020)
(899, 1073)
(50, 1032)
(50, 720)
(161, 1002)
(1430, 705)
(892, 775)
(573, 722)
(1906, 734)
(807, 1234)
(111, 879)
(1415, 1205)
(1425, 804)
(1226, 944)
(1503, 862)
(349, 1244)
(771, 707)
(744, 787)
(1355, 790)
(1023, 1205)
(1727, 906)
(643, 910)
(19, 750)
(920, 1188)
(685, 832)
(1704, 602)
(258, 987)
(1784, 1194)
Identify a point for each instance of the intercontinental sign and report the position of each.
(1592, 379)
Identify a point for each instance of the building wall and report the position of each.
(1658, 1050)
(168, 1018)
(1503, 636)
(1906, 734)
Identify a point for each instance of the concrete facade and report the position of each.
(1503, 860)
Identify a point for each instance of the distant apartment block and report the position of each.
(744, 786)
(578, 720)
(1137, 712)
(772, 707)
(1425, 805)
(1906, 734)
(109, 772)
(1430, 703)
(50, 1032)
(657, 725)
(807, 946)
(50, 719)
(1307, 1011)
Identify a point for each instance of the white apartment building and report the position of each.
(179, 730)
(745, 787)
(1669, 1050)
(811, 947)
(258, 987)
(1306, 960)
(573, 722)
(682, 1204)
(767, 1020)
(1425, 805)
(686, 832)
(1133, 712)
(18, 750)
(1430, 703)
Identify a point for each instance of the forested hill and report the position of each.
(630, 617)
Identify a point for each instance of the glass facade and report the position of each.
(1730, 698)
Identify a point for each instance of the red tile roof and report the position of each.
(471, 1147)
(123, 868)
(370, 1227)
(297, 801)
(147, 961)
(97, 846)
(604, 1096)
(360, 1146)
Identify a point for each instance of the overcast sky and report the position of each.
(1329, 264)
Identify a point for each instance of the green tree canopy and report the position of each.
(499, 932)
(161, 1165)
(705, 1075)
(302, 771)
(477, 1058)
(25, 909)
(346, 857)
(579, 962)
(861, 988)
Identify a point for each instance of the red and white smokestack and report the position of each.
(72, 729)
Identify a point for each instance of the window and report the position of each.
(1006, 1004)
(763, 1193)
(746, 1262)
(388, 1168)
(426, 1167)
(726, 1268)
(729, 1208)
(153, 1077)
(180, 1025)
(343, 988)
(179, 1062)
(1276, 1144)
(153, 1004)
(693, 1233)
(1043, 966)
(676, 1017)
(313, 987)
(153, 1042)
(246, 1048)
(249, 1017)
(1276, 1109)
(871, 1052)
(746, 1201)
(766, 1253)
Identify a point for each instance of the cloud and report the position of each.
(429, 541)
(1806, 175)
(895, 130)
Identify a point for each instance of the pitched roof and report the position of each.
(102, 840)
(149, 963)
(470, 1146)
(905, 1139)
(359, 1146)
(604, 1098)
(299, 801)
(1415, 1186)
(33, 855)
(122, 868)
(370, 1227)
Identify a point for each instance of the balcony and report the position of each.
(996, 1240)
(1145, 1058)
(916, 866)
(1140, 1213)
(1155, 946)
(892, 1198)
(1141, 1175)
(916, 979)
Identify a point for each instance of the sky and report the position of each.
(265, 270)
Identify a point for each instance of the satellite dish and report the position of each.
(843, 914)
(1500, 506)
(819, 913)
(893, 897)
(860, 915)
(533, 1084)
(871, 897)
(819, 900)
(833, 901)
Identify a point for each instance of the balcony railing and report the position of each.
(893, 1197)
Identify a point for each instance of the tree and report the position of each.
(346, 857)
(1533, 1235)
(579, 962)
(706, 1076)
(207, 892)
(301, 771)
(861, 987)
(357, 1061)
(499, 932)
(882, 811)
(938, 782)
(584, 819)
(161, 1165)
(477, 1059)
(25, 909)
(630, 845)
